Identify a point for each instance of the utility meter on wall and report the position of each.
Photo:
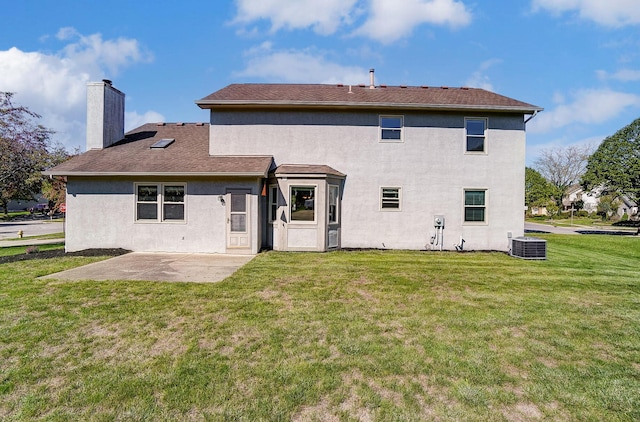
(438, 221)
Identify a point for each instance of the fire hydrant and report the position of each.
(20, 233)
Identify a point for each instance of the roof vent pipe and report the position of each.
(372, 84)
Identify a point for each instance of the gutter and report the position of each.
(211, 104)
(535, 113)
(160, 174)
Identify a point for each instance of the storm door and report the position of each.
(238, 218)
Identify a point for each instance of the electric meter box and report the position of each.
(438, 221)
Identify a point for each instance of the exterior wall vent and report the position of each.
(529, 248)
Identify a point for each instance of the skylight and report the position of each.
(163, 143)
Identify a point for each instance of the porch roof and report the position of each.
(187, 155)
(310, 170)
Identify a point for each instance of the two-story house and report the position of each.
(303, 168)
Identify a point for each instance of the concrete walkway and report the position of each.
(29, 242)
(205, 268)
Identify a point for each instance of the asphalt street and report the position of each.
(9, 230)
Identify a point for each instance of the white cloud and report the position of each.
(623, 75)
(323, 16)
(385, 20)
(389, 21)
(613, 13)
(479, 78)
(54, 84)
(589, 106)
(133, 119)
(299, 66)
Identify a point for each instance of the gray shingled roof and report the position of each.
(307, 169)
(188, 155)
(361, 96)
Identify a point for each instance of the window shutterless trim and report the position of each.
(159, 203)
(273, 203)
(292, 202)
(472, 137)
(474, 205)
(335, 203)
(391, 128)
(390, 198)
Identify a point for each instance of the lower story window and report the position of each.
(333, 203)
(303, 203)
(273, 202)
(160, 202)
(474, 205)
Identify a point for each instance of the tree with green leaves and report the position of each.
(607, 206)
(537, 190)
(24, 151)
(615, 165)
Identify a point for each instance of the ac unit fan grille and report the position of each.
(529, 248)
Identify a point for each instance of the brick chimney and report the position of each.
(105, 114)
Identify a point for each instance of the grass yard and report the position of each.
(342, 336)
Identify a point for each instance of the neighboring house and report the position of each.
(576, 193)
(627, 206)
(303, 168)
(538, 210)
(23, 205)
(591, 201)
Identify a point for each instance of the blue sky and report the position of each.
(579, 59)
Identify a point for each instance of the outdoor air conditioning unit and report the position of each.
(529, 248)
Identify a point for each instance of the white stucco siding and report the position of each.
(430, 166)
(101, 214)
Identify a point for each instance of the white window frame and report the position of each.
(336, 188)
(484, 136)
(485, 206)
(383, 128)
(398, 200)
(315, 201)
(160, 202)
(273, 203)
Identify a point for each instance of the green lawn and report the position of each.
(366, 335)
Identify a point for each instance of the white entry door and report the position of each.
(238, 218)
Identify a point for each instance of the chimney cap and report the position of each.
(107, 81)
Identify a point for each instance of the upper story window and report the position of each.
(475, 206)
(476, 135)
(391, 128)
(390, 199)
(303, 203)
(160, 202)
